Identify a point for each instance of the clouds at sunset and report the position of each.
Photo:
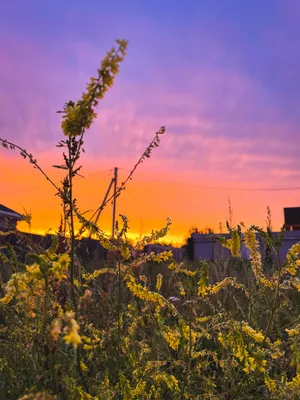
(223, 81)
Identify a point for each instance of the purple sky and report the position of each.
(221, 75)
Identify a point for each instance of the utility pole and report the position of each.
(114, 180)
(114, 203)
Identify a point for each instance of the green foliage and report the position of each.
(77, 117)
(153, 348)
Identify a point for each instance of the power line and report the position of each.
(224, 188)
(248, 189)
(296, 188)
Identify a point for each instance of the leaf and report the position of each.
(59, 166)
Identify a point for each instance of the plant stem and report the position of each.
(72, 257)
(72, 233)
(159, 332)
(275, 298)
(119, 324)
(188, 363)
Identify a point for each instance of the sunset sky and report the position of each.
(221, 75)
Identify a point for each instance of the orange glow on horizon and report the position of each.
(147, 201)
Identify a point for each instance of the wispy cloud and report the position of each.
(225, 85)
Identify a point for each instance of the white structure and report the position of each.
(206, 247)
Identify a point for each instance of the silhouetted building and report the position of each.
(8, 218)
(292, 218)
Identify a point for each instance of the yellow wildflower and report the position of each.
(255, 335)
(293, 332)
(59, 267)
(56, 329)
(295, 383)
(188, 333)
(83, 366)
(159, 279)
(33, 270)
(187, 272)
(6, 299)
(172, 337)
(16, 288)
(270, 383)
(203, 319)
(139, 390)
(252, 244)
(170, 381)
(203, 287)
(64, 260)
(181, 289)
(296, 283)
(292, 268)
(98, 272)
(235, 244)
(72, 338)
(71, 331)
(164, 256)
(293, 252)
(220, 285)
(172, 266)
(142, 293)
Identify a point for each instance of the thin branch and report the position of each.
(146, 154)
(9, 145)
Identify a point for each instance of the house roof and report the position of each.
(9, 213)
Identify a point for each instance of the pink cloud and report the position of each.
(223, 129)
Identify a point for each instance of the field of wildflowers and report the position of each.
(143, 326)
